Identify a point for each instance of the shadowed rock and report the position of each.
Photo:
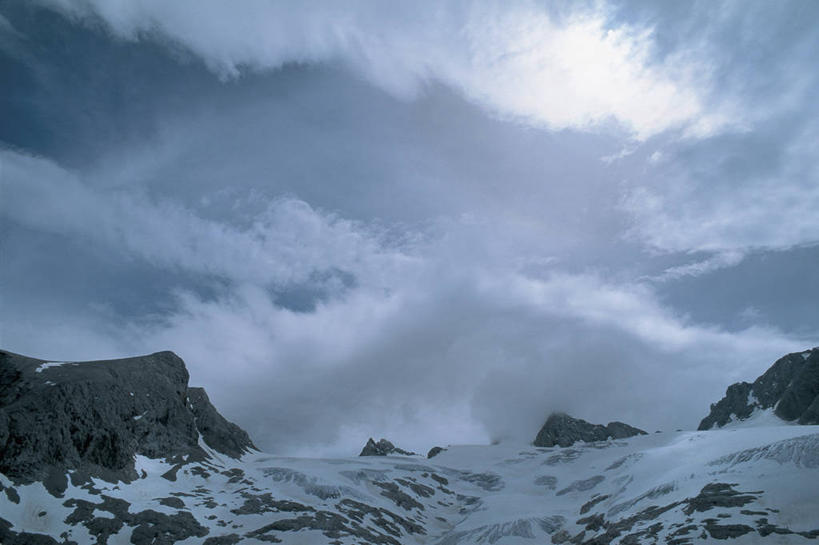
(562, 430)
(382, 448)
(435, 451)
(96, 416)
(790, 385)
(217, 432)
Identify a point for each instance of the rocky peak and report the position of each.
(96, 416)
(790, 386)
(562, 430)
(382, 448)
(218, 433)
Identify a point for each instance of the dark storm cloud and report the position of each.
(434, 226)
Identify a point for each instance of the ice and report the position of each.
(472, 493)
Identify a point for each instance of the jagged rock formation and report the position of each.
(96, 416)
(790, 386)
(382, 448)
(562, 430)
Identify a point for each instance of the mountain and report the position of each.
(383, 448)
(206, 484)
(95, 417)
(562, 430)
(789, 390)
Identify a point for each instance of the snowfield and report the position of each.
(745, 484)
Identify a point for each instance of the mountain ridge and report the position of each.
(97, 416)
(611, 485)
(789, 387)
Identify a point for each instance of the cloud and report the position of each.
(754, 188)
(500, 354)
(286, 243)
(497, 283)
(705, 266)
(731, 196)
(437, 341)
(570, 68)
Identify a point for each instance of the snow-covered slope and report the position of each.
(757, 485)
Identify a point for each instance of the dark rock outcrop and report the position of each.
(562, 430)
(217, 432)
(790, 386)
(435, 451)
(382, 448)
(96, 416)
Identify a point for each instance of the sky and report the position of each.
(434, 222)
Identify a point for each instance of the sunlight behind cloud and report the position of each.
(518, 60)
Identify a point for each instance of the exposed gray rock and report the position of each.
(96, 416)
(562, 430)
(435, 451)
(549, 481)
(488, 481)
(582, 485)
(10, 537)
(176, 503)
(790, 386)
(229, 539)
(382, 448)
(219, 434)
(719, 495)
(619, 430)
(149, 527)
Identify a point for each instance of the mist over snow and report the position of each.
(431, 222)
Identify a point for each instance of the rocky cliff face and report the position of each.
(790, 387)
(96, 416)
(562, 430)
(382, 448)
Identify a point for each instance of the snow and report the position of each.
(759, 418)
(509, 506)
(49, 364)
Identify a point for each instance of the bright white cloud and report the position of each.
(520, 60)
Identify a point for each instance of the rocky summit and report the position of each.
(789, 389)
(96, 416)
(383, 448)
(562, 430)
